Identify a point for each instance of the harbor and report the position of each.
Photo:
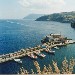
(52, 40)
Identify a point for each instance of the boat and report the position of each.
(56, 47)
(39, 54)
(50, 51)
(31, 55)
(42, 55)
(18, 60)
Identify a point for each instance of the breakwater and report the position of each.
(27, 51)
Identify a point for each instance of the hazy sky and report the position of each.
(10, 9)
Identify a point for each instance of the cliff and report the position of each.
(65, 17)
(73, 24)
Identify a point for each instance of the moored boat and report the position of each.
(18, 60)
(50, 51)
(39, 54)
(31, 55)
(42, 55)
(56, 47)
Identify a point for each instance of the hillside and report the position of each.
(33, 16)
(65, 17)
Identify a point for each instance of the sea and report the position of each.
(18, 34)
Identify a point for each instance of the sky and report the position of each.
(17, 9)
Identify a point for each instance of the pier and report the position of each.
(27, 51)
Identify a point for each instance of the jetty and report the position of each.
(56, 42)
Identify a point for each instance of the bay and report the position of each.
(18, 34)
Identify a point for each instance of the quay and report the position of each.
(27, 51)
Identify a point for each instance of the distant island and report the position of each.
(33, 16)
(64, 17)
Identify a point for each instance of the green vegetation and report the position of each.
(65, 17)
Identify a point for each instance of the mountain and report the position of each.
(33, 16)
(65, 17)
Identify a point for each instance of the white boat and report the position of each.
(42, 55)
(50, 51)
(56, 47)
(18, 60)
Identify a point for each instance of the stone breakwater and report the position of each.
(57, 40)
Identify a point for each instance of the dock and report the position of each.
(25, 52)
(22, 53)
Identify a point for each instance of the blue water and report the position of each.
(28, 33)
